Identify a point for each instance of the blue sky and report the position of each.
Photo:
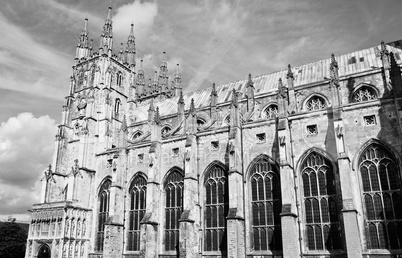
(214, 41)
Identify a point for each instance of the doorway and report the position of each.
(44, 252)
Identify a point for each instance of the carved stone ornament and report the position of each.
(187, 156)
(282, 140)
(339, 131)
(49, 174)
(75, 169)
(231, 148)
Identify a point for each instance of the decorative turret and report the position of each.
(177, 81)
(83, 43)
(106, 41)
(250, 93)
(130, 49)
(155, 84)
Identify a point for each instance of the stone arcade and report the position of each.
(301, 162)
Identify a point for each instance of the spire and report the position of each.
(130, 49)
(164, 63)
(83, 43)
(177, 81)
(384, 55)
(155, 83)
(250, 93)
(250, 81)
(181, 99)
(106, 42)
(157, 118)
(282, 99)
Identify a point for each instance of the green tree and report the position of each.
(12, 240)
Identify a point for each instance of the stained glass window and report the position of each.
(315, 103)
(174, 206)
(216, 207)
(364, 94)
(103, 213)
(266, 206)
(138, 190)
(320, 198)
(382, 198)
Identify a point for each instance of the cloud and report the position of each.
(26, 147)
(142, 15)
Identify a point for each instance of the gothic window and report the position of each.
(174, 205)
(315, 103)
(271, 111)
(117, 108)
(382, 198)
(216, 207)
(266, 206)
(119, 78)
(364, 94)
(322, 224)
(103, 213)
(200, 121)
(137, 205)
(165, 130)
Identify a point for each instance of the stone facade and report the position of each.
(300, 162)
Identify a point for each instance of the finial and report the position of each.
(334, 64)
(109, 13)
(192, 107)
(384, 50)
(157, 117)
(234, 98)
(151, 105)
(250, 81)
(290, 73)
(86, 24)
(181, 99)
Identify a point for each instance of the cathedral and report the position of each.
(302, 162)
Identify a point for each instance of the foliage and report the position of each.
(12, 240)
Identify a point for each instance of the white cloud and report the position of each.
(26, 147)
(142, 15)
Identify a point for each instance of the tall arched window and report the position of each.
(315, 103)
(117, 108)
(266, 205)
(119, 78)
(174, 205)
(320, 199)
(216, 207)
(138, 190)
(382, 198)
(103, 213)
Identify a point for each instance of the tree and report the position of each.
(13, 240)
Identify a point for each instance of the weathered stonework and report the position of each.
(201, 155)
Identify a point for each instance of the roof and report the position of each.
(364, 60)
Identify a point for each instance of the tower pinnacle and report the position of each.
(130, 49)
(106, 42)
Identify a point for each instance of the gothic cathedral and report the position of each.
(303, 162)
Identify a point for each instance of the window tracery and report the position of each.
(137, 207)
(266, 206)
(315, 103)
(364, 94)
(103, 213)
(271, 111)
(382, 198)
(320, 199)
(165, 130)
(216, 207)
(173, 208)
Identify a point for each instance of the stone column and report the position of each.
(190, 219)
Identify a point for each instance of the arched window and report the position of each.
(119, 78)
(137, 135)
(103, 213)
(44, 252)
(320, 199)
(266, 206)
(138, 190)
(117, 108)
(364, 94)
(200, 121)
(165, 130)
(174, 205)
(216, 208)
(381, 197)
(315, 103)
(271, 111)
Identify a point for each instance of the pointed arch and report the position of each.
(364, 92)
(265, 200)
(103, 210)
(173, 189)
(44, 251)
(315, 101)
(136, 209)
(320, 196)
(378, 166)
(216, 206)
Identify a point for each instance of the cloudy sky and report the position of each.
(214, 41)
